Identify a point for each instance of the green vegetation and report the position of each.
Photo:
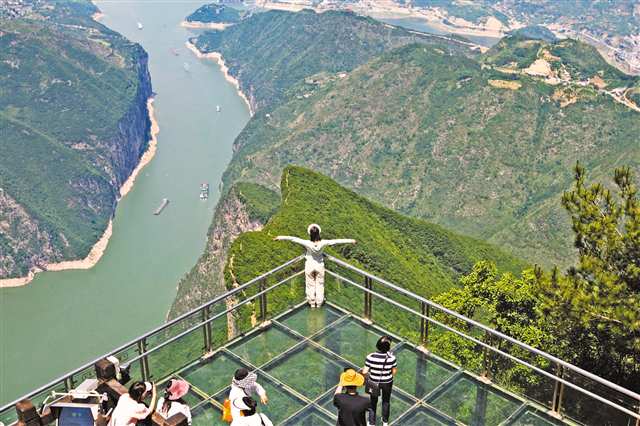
(270, 52)
(427, 134)
(423, 257)
(68, 87)
(214, 13)
(243, 207)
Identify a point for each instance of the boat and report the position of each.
(218, 108)
(139, 25)
(164, 203)
(186, 67)
(204, 191)
(175, 52)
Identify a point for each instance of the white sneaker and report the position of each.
(385, 424)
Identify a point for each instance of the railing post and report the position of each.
(206, 330)
(368, 298)
(263, 300)
(486, 359)
(68, 383)
(638, 420)
(558, 392)
(144, 361)
(424, 324)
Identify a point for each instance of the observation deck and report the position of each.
(299, 353)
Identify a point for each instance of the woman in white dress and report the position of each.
(314, 261)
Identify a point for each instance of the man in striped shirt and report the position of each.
(381, 367)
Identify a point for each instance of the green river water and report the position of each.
(64, 319)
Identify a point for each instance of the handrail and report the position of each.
(487, 346)
(369, 291)
(132, 342)
(496, 333)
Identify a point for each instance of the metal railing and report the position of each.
(426, 320)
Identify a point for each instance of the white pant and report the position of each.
(314, 277)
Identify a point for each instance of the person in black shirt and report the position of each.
(352, 408)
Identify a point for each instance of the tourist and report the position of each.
(244, 384)
(380, 366)
(172, 402)
(130, 409)
(352, 408)
(249, 417)
(314, 262)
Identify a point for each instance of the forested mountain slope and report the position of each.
(74, 123)
(484, 147)
(271, 51)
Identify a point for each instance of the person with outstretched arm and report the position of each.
(314, 261)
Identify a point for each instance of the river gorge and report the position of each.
(63, 319)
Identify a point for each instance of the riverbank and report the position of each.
(225, 70)
(100, 246)
(206, 25)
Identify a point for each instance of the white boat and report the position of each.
(139, 25)
(218, 108)
(186, 66)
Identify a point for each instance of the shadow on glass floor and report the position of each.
(299, 356)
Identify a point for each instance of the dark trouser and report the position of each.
(385, 392)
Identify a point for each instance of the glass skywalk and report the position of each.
(298, 353)
(299, 356)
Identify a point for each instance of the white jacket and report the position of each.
(176, 407)
(314, 259)
(258, 419)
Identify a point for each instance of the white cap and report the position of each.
(311, 226)
(148, 386)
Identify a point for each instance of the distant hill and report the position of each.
(74, 123)
(215, 13)
(421, 256)
(271, 51)
(481, 146)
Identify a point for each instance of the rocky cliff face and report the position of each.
(75, 124)
(206, 279)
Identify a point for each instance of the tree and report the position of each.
(595, 305)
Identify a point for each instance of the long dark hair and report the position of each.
(137, 390)
(252, 404)
(166, 404)
(314, 234)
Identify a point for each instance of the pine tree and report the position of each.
(596, 304)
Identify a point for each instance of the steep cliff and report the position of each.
(74, 119)
(245, 207)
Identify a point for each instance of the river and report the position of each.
(64, 319)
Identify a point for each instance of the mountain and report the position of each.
(421, 256)
(74, 124)
(270, 52)
(215, 13)
(481, 146)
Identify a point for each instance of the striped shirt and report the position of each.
(380, 365)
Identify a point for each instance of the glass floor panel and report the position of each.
(300, 381)
(308, 370)
(207, 415)
(421, 417)
(534, 418)
(418, 373)
(264, 346)
(310, 417)
(351, 339)
(212, 375)
(309, 321)
(398, 406)
(474, 403)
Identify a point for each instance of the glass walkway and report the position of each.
(452, 370)
(299, 356)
